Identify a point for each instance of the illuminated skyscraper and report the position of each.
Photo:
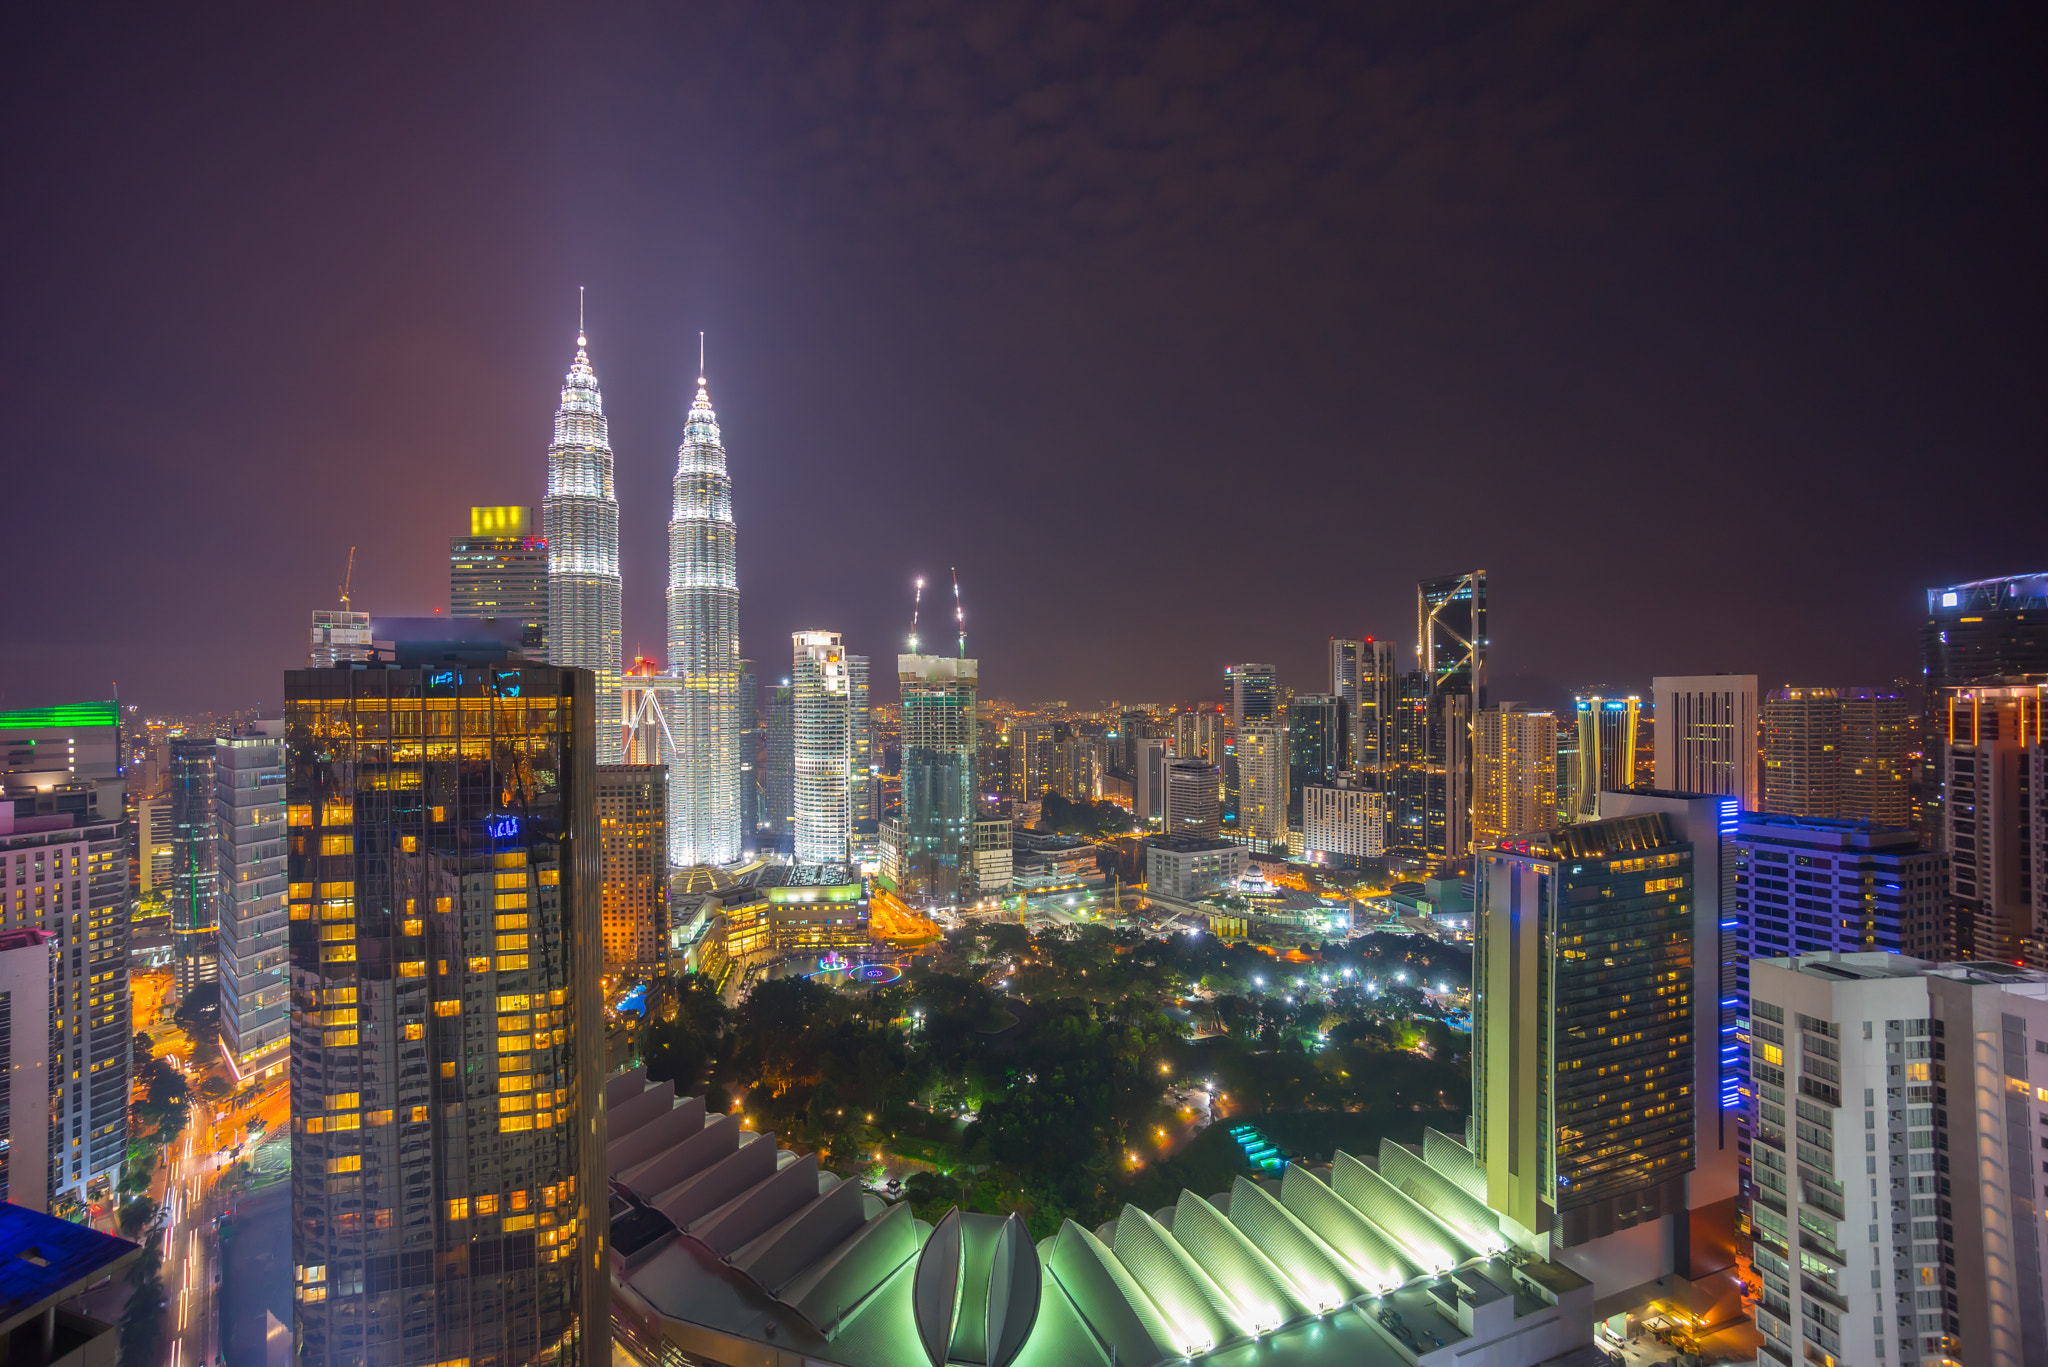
(249, 859)
(1451, 646)
(704, 649)
(939, 744)
(1604, 755)
(196, 954)
(500, 570)
(1379, 691)
(580, 519)
(823, 750)
(1993, 631)
(1514, 773)
(1318, 745)
(448, 1141)
(1262, 775)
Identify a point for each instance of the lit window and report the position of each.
(458, 1208)
(419, 1115)
(415, 1031)
(511, 962)
(448, 1008)
(348, 1162)
(487, 1205)
(480, 965)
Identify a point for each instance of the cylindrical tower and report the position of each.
(580, 518)
(704, 649)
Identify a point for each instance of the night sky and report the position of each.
(1189, 333)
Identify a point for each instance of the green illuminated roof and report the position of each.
(65, 714)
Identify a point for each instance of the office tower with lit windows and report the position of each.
(1148, 779)
(1193, 808)
(580, 523)
(704, 648)
(750, 759)
(1405, 775)
(1262, 790)
(195, 951)
(1372, 718)
(823, 751)
(1318, 745)
(1254, 694)
(1198, 734)
(1896, 1214)
(501, 570)
(449, 1198)
(153, 849)
(861, 740)
(778, 772)
(1705, 735)
(1991, 631)
(1514, 773)
(1991, 820)
(939, 745)
(1451, 647)
(1822, 885)
(1583, 1069)
(64, 849)
(1605, 751)
(249, 894)
(632, 827)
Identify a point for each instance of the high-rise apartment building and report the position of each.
(580, 522)
(27, 969)
(1262, 792)
(1991, 739)
(501, 570)
(1836, 752)
(1705, 735)
(1876, 757)
(1896, 1213)
(824, 748)
(249, 896)
(940, 741)
(1194, 808)
(704, 648)
(778, 773)
(1802, 752)
(195, 950)
(1318, 745)
(338, 636)
(154, 849)
(1451, 646)
(1583, 1067)
(1604, 755)
(64, 849)
(1992, 631)
(449, 1198)
(1514, 773)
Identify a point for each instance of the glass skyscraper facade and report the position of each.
(940, 741)
(580, 520)
(448, 1169)
(1451, 646)
(195, 953)
(249, 841)
(703, 649)
(1318, 745)
(1583, 1083)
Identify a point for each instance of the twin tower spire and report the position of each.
(701, 687)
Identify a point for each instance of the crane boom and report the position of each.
(348, 576)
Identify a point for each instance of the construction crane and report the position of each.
(348, 577)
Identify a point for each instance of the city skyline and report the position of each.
(1383, 323)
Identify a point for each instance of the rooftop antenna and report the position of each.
(959, 617)
(348, 577)
(700, 358)
(916, 602)
(579, 311)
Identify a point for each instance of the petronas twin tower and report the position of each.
(580, 518)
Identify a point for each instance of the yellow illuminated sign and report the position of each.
(499, 521)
